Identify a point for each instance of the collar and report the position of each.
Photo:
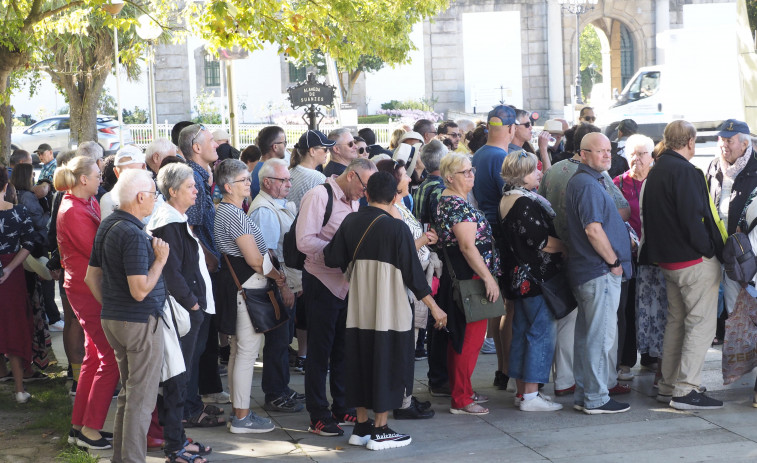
(585, 168)
(199, 169)
(50, 163)
(279, 202)
(338, 193)
(74, 198)
(122, 215)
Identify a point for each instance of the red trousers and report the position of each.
(460, 366)
(99, 370)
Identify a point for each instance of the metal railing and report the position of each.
(142, 133)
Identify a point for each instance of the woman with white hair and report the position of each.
(647, 297)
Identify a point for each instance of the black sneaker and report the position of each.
(612, 406)
(442, 391)
(347, 418)
(361, 433)
(72, 392)
(325, 427)
(299, 364)
(695, 400)
(73, 434)
(500, 380)
(413, 412)
(283, 404)
(425, 405)
(99, 444)
(385, 438)
(420, 354)
(296, 396)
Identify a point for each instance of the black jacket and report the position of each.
(182, 271)
(678, 224)
(744, 184)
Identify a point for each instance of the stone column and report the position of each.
(555, 70)
(661, 24)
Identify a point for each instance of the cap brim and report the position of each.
(329, 144)
(726, 134)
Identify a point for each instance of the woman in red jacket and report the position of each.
(78, 219)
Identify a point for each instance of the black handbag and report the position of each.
(470, 296)
(556, 291)
(263, 305)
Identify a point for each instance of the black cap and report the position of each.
(313, 138)
(43, 147)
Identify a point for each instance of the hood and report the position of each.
(163, 215)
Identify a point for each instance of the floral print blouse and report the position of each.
(452, 210)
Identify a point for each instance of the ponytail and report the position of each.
(66, 177)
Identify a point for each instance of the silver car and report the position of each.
(55, 132)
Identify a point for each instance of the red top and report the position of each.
(78, 220)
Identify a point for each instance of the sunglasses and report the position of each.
(526, 125)
(362, 150)
(350, 144)
(192, 141)
(590, 118)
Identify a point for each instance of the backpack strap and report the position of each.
(329, 204)
(751, 226)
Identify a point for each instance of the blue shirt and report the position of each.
(255, 184)
(587, 202)
(47, 171)
(201, 216)
(487, 186)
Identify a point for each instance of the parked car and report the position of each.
(55, 132)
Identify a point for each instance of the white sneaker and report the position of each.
(217, 398)
(57, 326)
(517, 401)
(540, 403)
(22, 397)
(625, 374)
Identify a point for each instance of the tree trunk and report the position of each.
(9, 61)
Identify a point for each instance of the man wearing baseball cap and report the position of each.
(732, 177)
(46, 157)
(128, 157)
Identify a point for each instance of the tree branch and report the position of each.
(35, 15)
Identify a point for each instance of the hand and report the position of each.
(492, 289)
(544, 140)
(196, 307)
(617, 270)
(431, 236)
(281, 280)
(439, 316)
(160, 248)
(6, 273)
(287, 296)
(55, 274)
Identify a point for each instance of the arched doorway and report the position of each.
(627, 53)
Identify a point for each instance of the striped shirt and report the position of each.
(231, 223)
(303, 180)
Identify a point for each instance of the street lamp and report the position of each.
(149, 30)
(578, 7)
(113, 8)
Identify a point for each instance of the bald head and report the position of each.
(596, 151)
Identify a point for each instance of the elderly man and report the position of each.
(274, 216)
(426, 129)
(599, 257)
(125, 276)
(342, 153)
(272, 141)
(327, 296)
(224, 150)
(158, 150)
(682, 235)
(732, 177)
(47, 158)
(128, 157)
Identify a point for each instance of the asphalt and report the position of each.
(649, 432)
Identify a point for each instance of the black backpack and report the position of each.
(738, 258)
(293, 258)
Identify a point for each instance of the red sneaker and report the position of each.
(566, 391)
(620, 389)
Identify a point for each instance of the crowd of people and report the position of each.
(172, 258)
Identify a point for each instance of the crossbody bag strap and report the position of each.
(354, 255)
(448, 264)
(234, 276)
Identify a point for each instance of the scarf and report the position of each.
(733, 170)
(537, 198)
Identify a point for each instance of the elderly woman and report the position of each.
(16, 242)
(78, 220)
(466, 236)
(189, 284)
(647, 296)
(532, 254)
(246, 257)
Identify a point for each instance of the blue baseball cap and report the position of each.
(504, 113)
(313, 138)
(731, 127)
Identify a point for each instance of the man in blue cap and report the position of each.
(732, 177)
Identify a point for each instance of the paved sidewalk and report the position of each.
(649, 432)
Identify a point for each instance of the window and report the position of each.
(212, 72)
(297, 74)
(627, 68)
(644, 86)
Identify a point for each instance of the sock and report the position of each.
(529, 396)
(76, 370)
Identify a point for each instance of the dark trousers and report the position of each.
(48, 294)
(623, 325)
(193, 405)
(171, 412)
(627, 352)
(327, 318)
(275, 381)
(437, 355)
(209, 379)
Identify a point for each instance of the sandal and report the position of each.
(182, 456)
(202, 450)
(479, 398)
(211, 409)
(471, 409)
(203, 420)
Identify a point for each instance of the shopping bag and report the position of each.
(740, 344)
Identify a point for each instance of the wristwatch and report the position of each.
(614, 264)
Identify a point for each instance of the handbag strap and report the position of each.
(354, 255)
(448, 264)
(234, 276)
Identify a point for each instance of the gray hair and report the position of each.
(269, 168)
(745, 137)
(336, 134)
(226, 171)
(90, 149)
(432, 154)
(163, 146)
(466, 125)
(172, 176)
(64, 156)
(185, 139)
(637, 140)
(130, 183)
(361, 164)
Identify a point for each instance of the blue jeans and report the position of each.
(533, 342)
(596, 330)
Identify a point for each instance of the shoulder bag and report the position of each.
(348, 273)
(264, 309)
(470, 296)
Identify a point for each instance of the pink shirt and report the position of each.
(312, 238)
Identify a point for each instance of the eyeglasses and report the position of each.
(362, 150)
(526, 125)
(246, 179)
(192, 141)
(454, 135)
(589, 118)
(468, 172)
(280, 142)
(431, 131)
(282, 180)
(154, 194)
(361, 181)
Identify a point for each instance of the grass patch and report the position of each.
(76, 455)
(48, 411)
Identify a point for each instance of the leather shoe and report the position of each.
(412, 413)
(423, 406)
(566, 391)
(154, 443)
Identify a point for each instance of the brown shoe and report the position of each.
(566, 391)
(620, 389)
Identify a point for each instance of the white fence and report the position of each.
(142, 133)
